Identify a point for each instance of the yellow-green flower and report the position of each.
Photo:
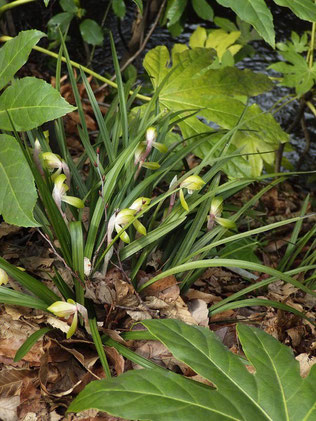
(215, 215)
(192, 183)
(65, 310)
(144, 149)
(59, 193)
(4, 279)
(124, 217)
(140, 204)
(53, 161)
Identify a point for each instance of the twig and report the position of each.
(298, 117)
(307, 144)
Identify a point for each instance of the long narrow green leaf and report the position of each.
(99, 346)
(99, 117)
(15, 298)
(121, 92)
(260, 284)
(28, 344)
(260, 302)
(294, 236)
(31, 284)
(229, 263)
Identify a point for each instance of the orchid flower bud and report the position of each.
(215, 215)
(216, 206)
(53, 161)
(59, 193)
(4, 279)
(138, 152)
(123, 218)
(151, 135)
(140, 204)
(194, 182)
(67, 309)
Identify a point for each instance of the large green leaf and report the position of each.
(217, 95)
(275, 392)
(17, 190)
(15, 52)
(30, 103)
(256, 13)
(304, 9)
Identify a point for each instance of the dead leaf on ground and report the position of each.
(11, 380)
(306, 363)
(13, 334)
(8, 408)
(7, 229)
(199, 311)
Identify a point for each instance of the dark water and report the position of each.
(35, 15)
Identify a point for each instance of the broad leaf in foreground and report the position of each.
(17, 190)
(15, 52)
(275, 392)
(30, 103)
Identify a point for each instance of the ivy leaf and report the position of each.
(275, 392)
(17, 190)
(30, 103)
(304, 9)
(15, 53)
(256, 13)
(297, 74)
(91, 32)
(203, 9)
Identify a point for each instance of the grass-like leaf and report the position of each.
(31, 340)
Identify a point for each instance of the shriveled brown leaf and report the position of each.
(11, 380)
(193, 294)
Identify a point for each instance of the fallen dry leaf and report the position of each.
(306, 363)
(199, 311)
(8, 408)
